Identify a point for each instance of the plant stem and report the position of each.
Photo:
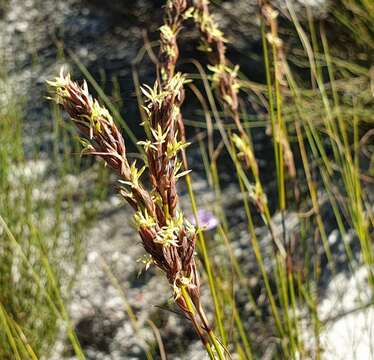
(192, 315)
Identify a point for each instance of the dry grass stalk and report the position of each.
(270, 16)
(176, 11)
(224, 77)
(175, 14)
(166, 235)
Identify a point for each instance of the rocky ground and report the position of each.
(107, 38)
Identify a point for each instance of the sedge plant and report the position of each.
(167, 236)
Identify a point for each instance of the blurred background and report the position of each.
(69, 275)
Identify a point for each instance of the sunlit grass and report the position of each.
(318, 131)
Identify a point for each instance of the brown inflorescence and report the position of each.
(166, 235)
(224, 77)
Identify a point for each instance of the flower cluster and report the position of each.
(169, 51)
(166, 235)
(224, 77)
(212, 36)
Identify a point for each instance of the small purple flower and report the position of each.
(206, 219)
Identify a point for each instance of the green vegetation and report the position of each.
(42, 236)
(319, 118)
